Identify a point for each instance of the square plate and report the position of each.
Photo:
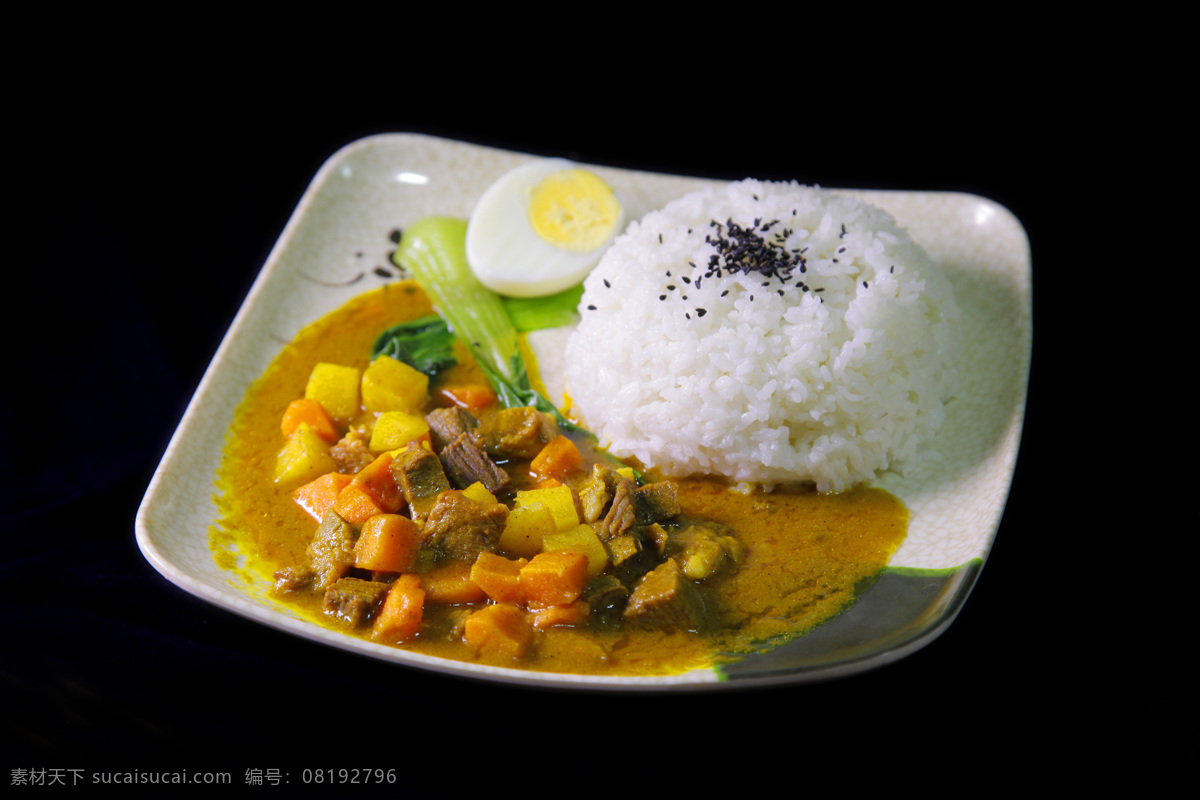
(338, 234)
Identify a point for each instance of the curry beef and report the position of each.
(491, 534)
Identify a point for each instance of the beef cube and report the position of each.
(606, 595)
(620, 517)
(447, 424)
(665, 598)
(516, 432)
(420, 476)
(702, 550)
(351, 453)
(465, 463)
(593, 496)
(331, 552)
(630, 557)
(294, 579)
(655, 502)
(354, 600)
(459, 529)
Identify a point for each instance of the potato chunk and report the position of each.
(336, 388)
(391, 385)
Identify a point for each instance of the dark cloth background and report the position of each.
(148, 234)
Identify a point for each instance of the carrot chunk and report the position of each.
(552, 579)
(400, 616)
(388, 543)
(451, 584)
(372, 491)
(499, 577)
(559, 459)
(318, 497)
(472, 397)
(570, 614)
(498, 631)
(310, 412)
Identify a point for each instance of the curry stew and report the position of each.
(449, 526)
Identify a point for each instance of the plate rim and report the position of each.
(702, 679)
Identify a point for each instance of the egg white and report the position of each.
(505, 252)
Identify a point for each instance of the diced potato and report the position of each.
(580, 539)
(525, 530)
(395, 429)
(559, 499)
(304, 458)
(336, 388)
(391, 385)
(479, 493)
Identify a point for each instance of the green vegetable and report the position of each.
(433, 250)
(551, 311)
(425, 344)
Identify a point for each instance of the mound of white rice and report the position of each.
(822, 351)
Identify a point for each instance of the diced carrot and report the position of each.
(451, 584)
(388, 543)
(472, 397)
(500, 631)
(570, 614)
(499, 577)
(399, 617)
(552, 579)
(311, 412)
(318, 496)
(373, 487)
(548, 483)
(355, 505)
(560, 459)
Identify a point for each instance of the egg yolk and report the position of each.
(574, 210)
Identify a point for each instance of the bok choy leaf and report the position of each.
(433, 250)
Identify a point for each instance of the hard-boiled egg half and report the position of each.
(541, 228)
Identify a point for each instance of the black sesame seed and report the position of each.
(662, 297)
(591, 308)
(395, 236)
(686, 279)
(607, 285)
(689, 316)
(864, 284)
(383, 273)
(660, 238)
(671, 287)
(724, 293)
(700, 312)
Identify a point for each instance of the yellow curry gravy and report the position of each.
(803, 553)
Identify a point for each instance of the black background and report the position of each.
(150, 222)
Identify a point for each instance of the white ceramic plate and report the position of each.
(339, 232)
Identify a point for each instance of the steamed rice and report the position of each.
(760, 379)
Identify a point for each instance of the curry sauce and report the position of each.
(800, 555)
